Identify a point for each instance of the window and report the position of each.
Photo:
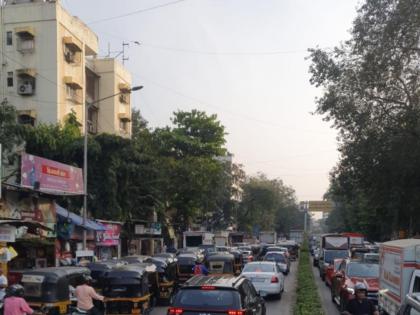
(26, 120)
(416, 285)
(9, 38)
(73, 94)
(9, 79)
(123, 125)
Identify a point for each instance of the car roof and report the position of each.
(223, 281)
(261, 263)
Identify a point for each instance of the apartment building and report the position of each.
(50, 68)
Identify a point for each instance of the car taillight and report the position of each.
(175, 311)
(274, 279)
(236, 312)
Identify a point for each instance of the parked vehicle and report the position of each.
(49, 289)
(266, 277)
(400, 273)
(281, 260)
(215, 295)
(131, 289)
(348, 274)
(331, 271)
(221, 263)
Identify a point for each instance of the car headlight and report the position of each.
(350, 290)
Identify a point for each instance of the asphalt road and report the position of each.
(274, 307)
(329, 307)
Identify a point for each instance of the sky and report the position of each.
(243, 60)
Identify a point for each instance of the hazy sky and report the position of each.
(241, 59)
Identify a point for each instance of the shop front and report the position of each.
(147, 239)
(108, 242)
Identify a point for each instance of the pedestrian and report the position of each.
(3, 284)
(200, 269)
(85, 295)
(14, 303)
(360, 305)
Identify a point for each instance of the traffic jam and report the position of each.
(388, 274)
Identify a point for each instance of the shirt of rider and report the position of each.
(3, 285)
(361, 307)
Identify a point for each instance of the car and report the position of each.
(348, 274)
(281, 260)
(331, 271)
(279, 249)
(266, 277)
(216, 295)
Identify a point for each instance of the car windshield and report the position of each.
(275, 257)
(330, 255)
(207, 299)
(258, 268)
(363, 270)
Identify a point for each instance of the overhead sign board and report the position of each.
(320, 206)
(50, 176)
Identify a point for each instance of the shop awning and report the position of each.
(25, 30)
(78, 220)
(29, 224)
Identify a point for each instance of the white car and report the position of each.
(266, 277)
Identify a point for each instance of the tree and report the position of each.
(371, 94)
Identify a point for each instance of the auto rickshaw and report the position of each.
(221, 263)
(238, 262)
(184, 267)
(135, 259)
(166, 268)
(51, 289)
(130, 289)
(99, 269)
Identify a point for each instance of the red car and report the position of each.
(348, 274)
(331, 271)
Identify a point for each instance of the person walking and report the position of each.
(360, 305)
(85, 295)
(14, 303)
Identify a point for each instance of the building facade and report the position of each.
(50, 68)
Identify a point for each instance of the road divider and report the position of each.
(308, 301)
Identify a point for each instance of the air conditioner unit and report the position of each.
(91, 128)
(25, 89)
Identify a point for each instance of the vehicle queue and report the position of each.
(136, 284)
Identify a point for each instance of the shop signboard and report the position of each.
(50, 176)
(149, 228)
(109, 237)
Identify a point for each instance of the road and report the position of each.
(274, 307)
(325, 294)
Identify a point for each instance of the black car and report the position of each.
(215, 295)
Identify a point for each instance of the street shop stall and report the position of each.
(108, 242)
(70, 228)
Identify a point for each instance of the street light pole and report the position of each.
(85, 152)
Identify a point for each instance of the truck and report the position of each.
(268, 237)
(333, 246)
(355, 239)
(296, 235)
(236, 238)
(399, 273)
(194, 239)
(221, 238)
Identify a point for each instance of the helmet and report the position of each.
(15, 290)
(87, 279)
(360, 287)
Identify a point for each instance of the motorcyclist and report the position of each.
(85, 295)
(14, 303)
(360, 305)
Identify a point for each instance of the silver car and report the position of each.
(266, 277)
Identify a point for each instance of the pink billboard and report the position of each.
(53, 177)
(109, 237)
